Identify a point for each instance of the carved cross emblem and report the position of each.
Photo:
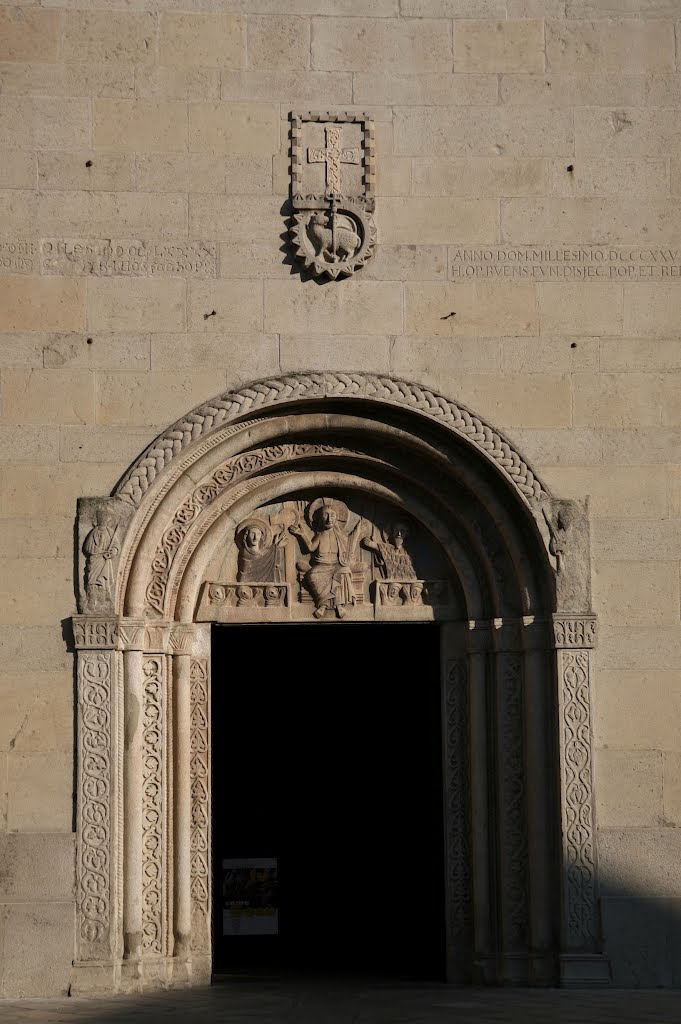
(333, 156)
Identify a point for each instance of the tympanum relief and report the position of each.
(325, 558)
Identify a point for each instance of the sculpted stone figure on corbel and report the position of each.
(101, 528)
(569, 547)
(328, 575)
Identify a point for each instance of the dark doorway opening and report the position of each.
(327, 760)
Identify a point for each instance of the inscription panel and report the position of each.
(565, 263)
(18, 256)
(107, 257)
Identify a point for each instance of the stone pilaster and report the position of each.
(582, 963)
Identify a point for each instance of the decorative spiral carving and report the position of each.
(94, 678)
(279, 390)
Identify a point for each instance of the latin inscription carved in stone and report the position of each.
(107, 257)
(565, 263)
(18, 257)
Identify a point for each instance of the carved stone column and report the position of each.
(99, 864)
(582, 962)
(511, 806)
(456, 781)
(192, 925)
(479, 645)
(541, 802)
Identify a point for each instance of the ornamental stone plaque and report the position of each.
(332, 187)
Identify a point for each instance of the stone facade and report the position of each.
(524, 280)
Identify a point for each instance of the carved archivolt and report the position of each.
(320, 514)
(280, 390)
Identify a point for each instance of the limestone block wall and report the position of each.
(529, 265)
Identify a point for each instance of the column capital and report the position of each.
(574, 631)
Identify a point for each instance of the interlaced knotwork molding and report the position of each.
(292, 388)
(153, 810)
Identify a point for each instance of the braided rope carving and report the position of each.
(290, 388)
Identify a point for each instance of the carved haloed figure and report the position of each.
(329, 576)
(257, 552)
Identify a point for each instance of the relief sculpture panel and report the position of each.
(322, 557)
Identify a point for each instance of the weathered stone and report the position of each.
(29, 34)
(352, 306)
(225, 306)
(119, 36)
(37, 867)
(81, 79)
(160, 83)
(438, 221)
(121, 214)
(44, 122)
(428, 360)
(588, 221)
(127, 398)
(614, 490)
(479, 176)
(617, 400)
(353, 44)
(593, 177)
(637, 709)
(651, 309)
(132, 125)
(640, 862)
(71, 171)
(233, 128)
(203, 40)
(17, 170)
(40, 792)
(571, 307)
(278, 43)
(630, 788)
(203, 351)
(99, 352)
(471, 309)
(48, 927)
(601, 46)
(421, 90)
(121, 304)
(38, 304)
(31, 443)
(553, 355)
(499, 46)
(483, 131)
(305, 352)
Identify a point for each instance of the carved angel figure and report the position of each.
(332, 552)
(100, 549)
(258, 549)
(392, 558)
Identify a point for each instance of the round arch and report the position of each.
(333, 472)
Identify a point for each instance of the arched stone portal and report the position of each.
(490, 555)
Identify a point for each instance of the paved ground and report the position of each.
(317, 1002)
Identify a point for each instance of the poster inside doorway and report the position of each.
(250, 902)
